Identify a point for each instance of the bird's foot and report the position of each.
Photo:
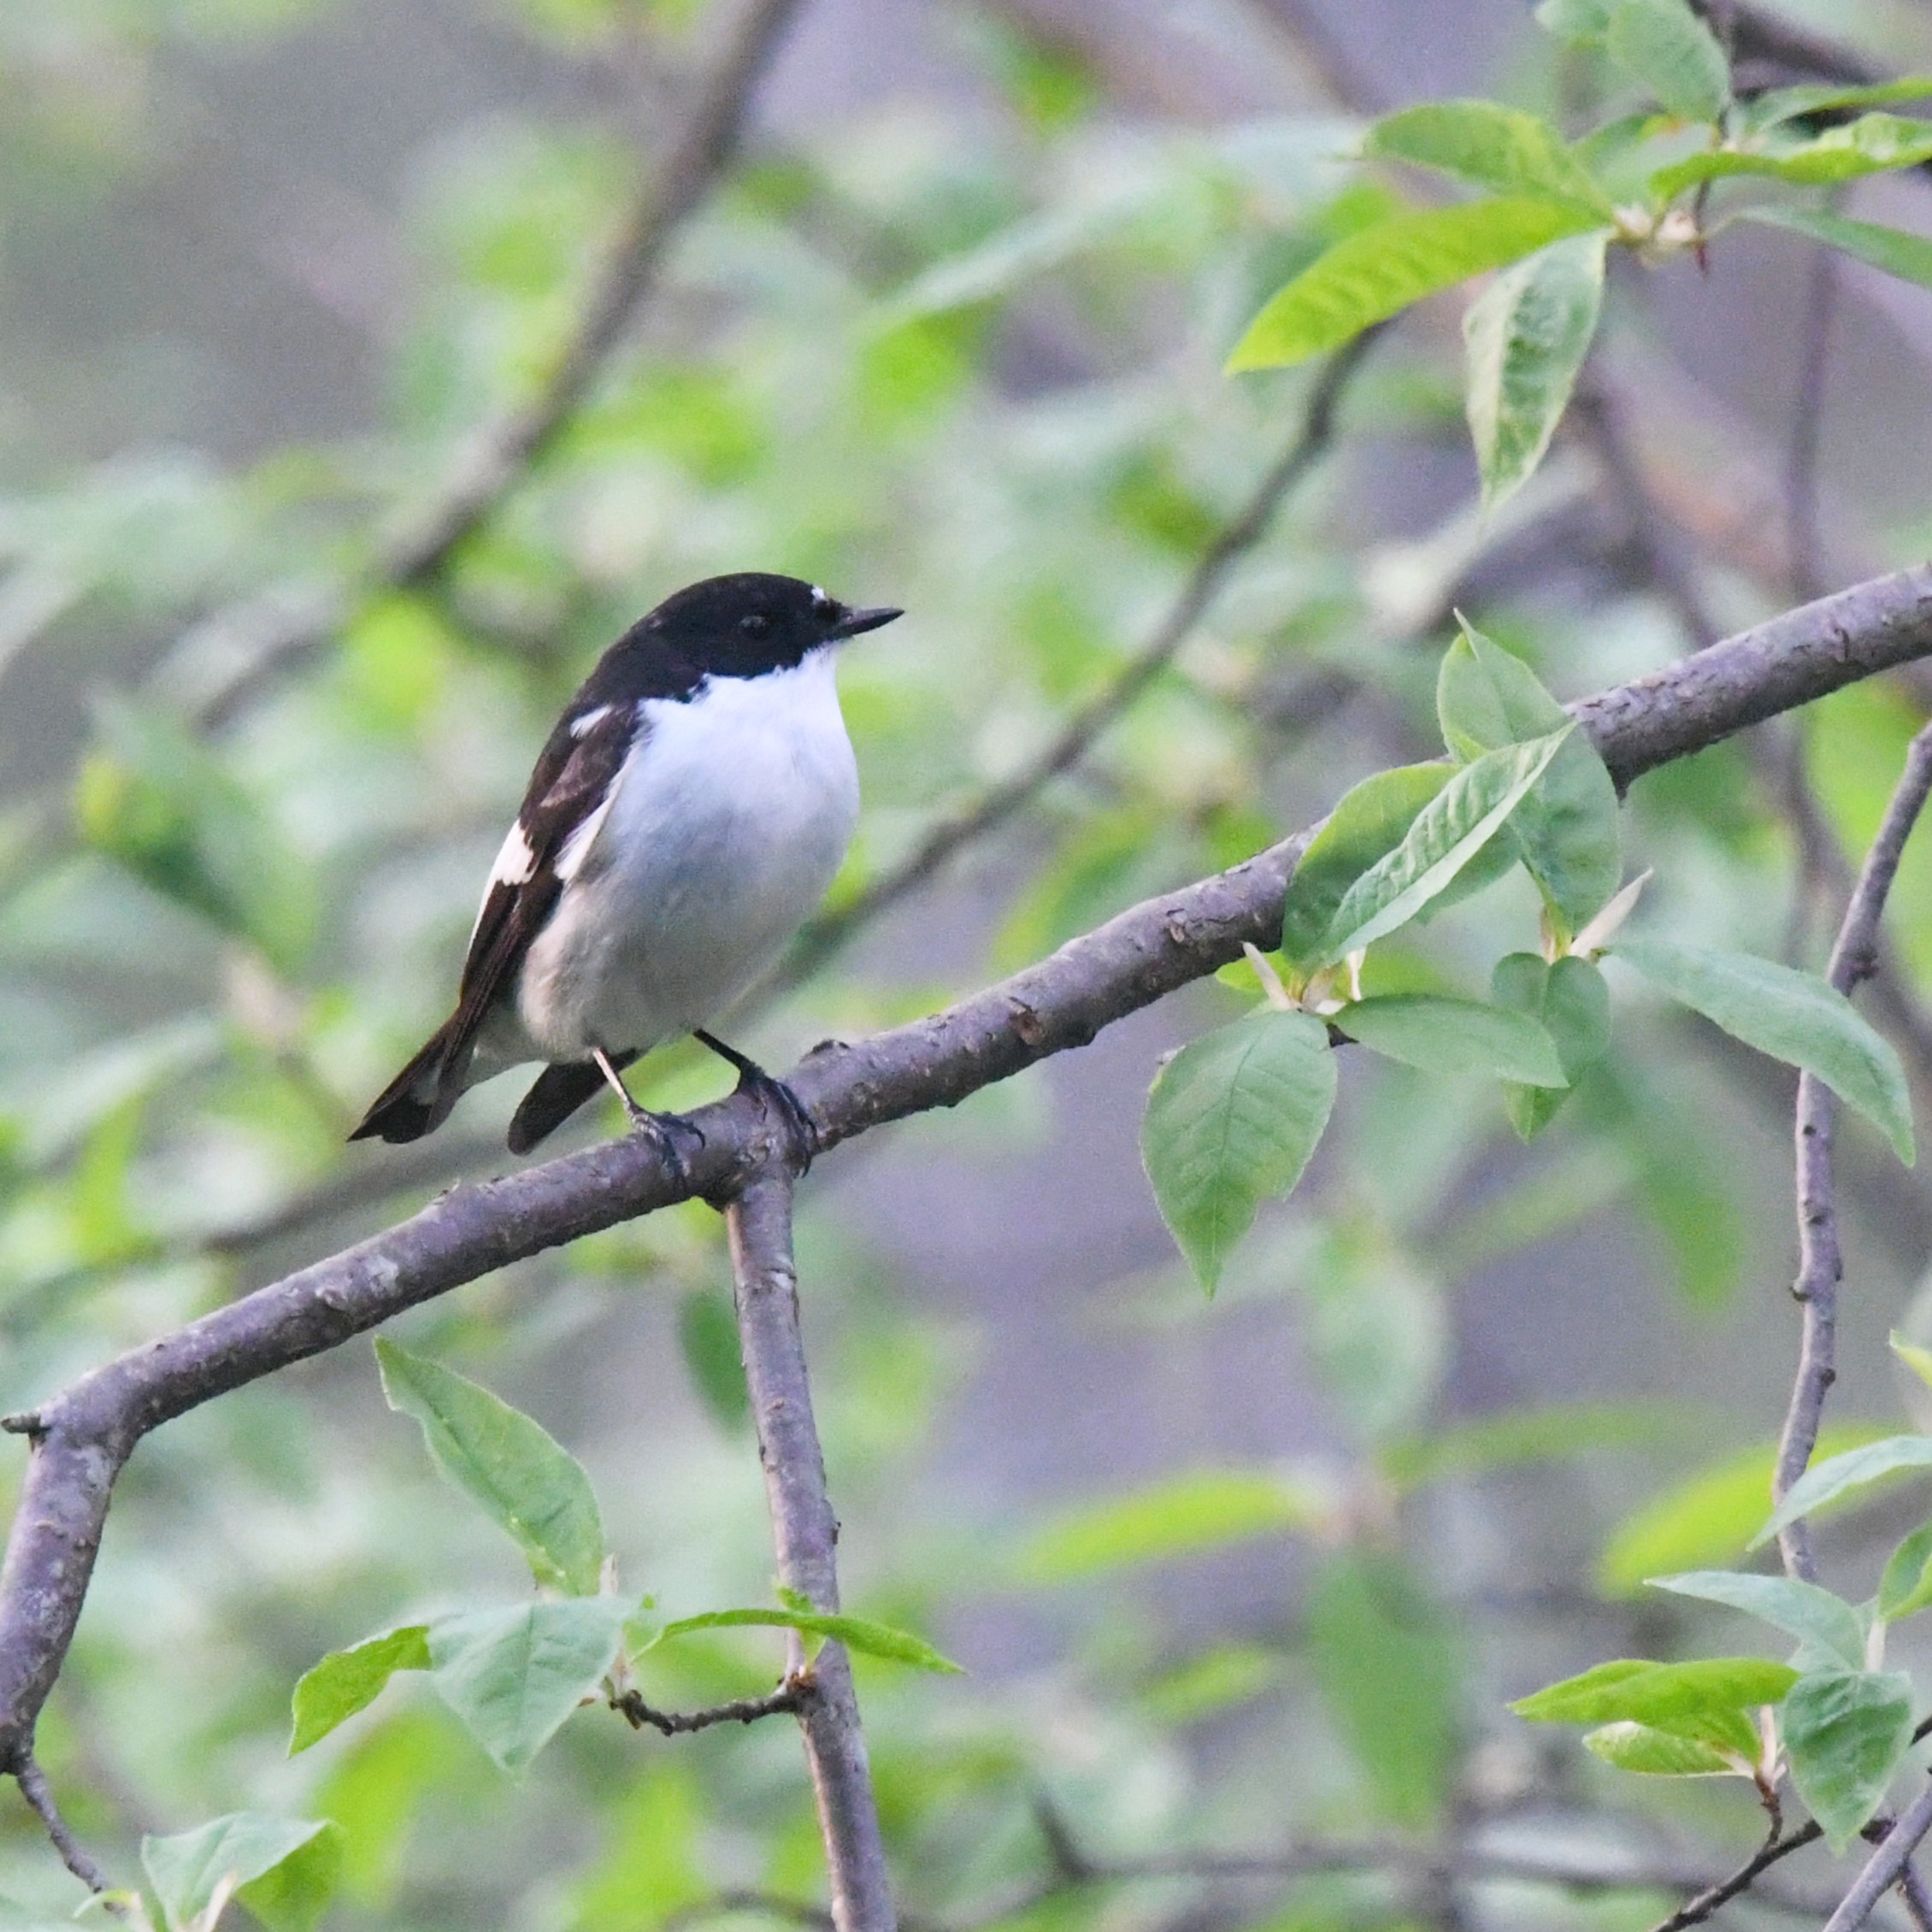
(663, 1130)
(801, 1130)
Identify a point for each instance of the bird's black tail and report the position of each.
(557, 1094)
(419, 1100)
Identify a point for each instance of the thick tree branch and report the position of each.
(765, 1289)
(225, 660)
(1854, 959)
(1078, 736)
(83, 1436)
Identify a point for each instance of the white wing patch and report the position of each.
(515, 862)
(580, 728)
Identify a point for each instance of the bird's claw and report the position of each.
(662, 1129)
(801, 1129)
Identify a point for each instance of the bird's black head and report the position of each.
(742, 626)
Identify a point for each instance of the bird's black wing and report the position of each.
(569, 793)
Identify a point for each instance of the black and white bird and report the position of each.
(687, 814)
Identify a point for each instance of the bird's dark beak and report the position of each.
(854, 622)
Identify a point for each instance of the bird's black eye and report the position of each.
(756, 625)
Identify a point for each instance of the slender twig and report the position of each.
(83, 1436)
(1078, 736)
(1917, 1895)
(1886, 1865)
(787, 1701)
(805, 1533)
(225, 661)
(1854, 959)
(1695, 1910)
(74, 1855)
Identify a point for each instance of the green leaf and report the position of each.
(1382, 268)
(375, 1791)
(1907, 257)
(523, 1477)
(1664, 44)
(294, 1895)
(188, 1869)
(708, 1339)
(1447, 833)
(1499, 148)
(1704, 1519)
(1231, 1119)
(1786, 103)
(513, 1675)
(1370, 821)
(349, 1680)
(855, 1633)
(1581, 23)
(1791, 1015)
(159, 803)
(1568, 828)
(1178, 1516)
(1571, 1002)
(1525, 337)
(1385, 1661)
(1918, 1359)
(1707, 1699)
(649, 1875)
(1654, 1753)
(1875, 143)
(1517, 1436)
(1684, 1182)
(1802, 1610)
(1441, 1035)
(1846, 1733)
(1906, 1585)
(1377, 1333)
(1823, 1481)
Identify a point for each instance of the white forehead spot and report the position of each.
(590, 721)
(821, 599)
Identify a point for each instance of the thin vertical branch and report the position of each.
(806, 1535)
(1854, 959)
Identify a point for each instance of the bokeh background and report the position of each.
(945, 332)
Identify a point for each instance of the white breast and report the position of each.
(727, 823)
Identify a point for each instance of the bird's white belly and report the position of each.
(727, 823)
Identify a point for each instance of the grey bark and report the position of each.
(805, 1532)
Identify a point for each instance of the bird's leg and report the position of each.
(754, 1080)
(654, 1127)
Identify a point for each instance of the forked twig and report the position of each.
(1854, 959)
